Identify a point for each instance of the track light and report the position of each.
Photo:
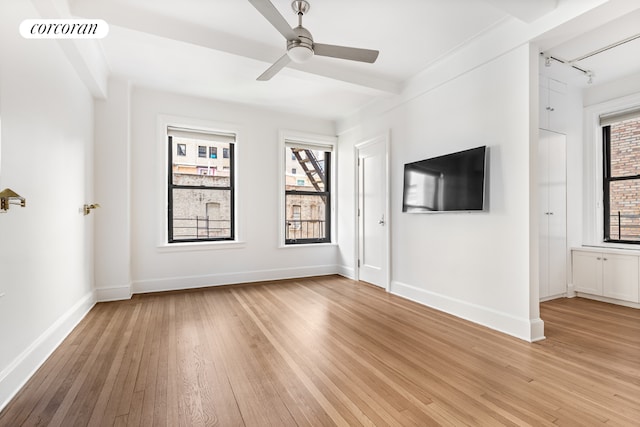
(547, 63)
(589, 74)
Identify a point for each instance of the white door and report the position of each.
(558, 251)
(373, 221)
(553, 224)
(543, 226)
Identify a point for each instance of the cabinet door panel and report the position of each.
(587, 272)
(544, 108)
(557, 113)
(620, 279)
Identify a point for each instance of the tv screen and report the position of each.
(453, 182)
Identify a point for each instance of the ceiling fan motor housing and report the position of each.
(300, 49)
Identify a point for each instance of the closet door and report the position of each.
(557, 214)
(553, 211)
(543, 209)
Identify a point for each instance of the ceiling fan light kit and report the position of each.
(300, 54)
(300, 44)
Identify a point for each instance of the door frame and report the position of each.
(385, 139)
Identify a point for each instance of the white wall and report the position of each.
(156, 267)
(46, 248)
(112, 192)
(473, 265)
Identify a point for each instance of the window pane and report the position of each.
(192, 169)
(624, 209)
(201, 214)
(625, 148)
(308, 167)
(306, 217)
(202, 151)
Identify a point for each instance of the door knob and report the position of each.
(381, 222)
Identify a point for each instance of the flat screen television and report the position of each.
(449, 183)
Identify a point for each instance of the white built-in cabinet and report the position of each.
(553, 105)
(552, 190)
(607, 274)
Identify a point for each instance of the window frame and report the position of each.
(607, 179)
(592, 163)
(316, 142)
(162, 123)
(169, 239)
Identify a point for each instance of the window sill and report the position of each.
(617, 247)
(306, 245)
(200, 246)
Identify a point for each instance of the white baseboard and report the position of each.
(552, 297)
(347, 272)
(537, 330)
(523, 328)
(16, 375)
(608, 300)
(190, 282)
(113, 294)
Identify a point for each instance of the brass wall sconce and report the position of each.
(10, 197)
(87, 208)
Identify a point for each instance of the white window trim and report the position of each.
(318, 142)
(593, 228)
(162, 199)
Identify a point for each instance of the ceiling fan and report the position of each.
(300, 44)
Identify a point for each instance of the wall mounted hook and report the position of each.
(10, 197)
(87, 208)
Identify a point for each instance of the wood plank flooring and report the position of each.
(329, 351)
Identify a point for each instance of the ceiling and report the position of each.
(217, 48)
(608, 52)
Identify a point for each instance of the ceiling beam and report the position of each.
(169, 28)
(84, 55)
(525, 10)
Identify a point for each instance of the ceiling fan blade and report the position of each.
(343, 52)
(273, 70)
(269, 11)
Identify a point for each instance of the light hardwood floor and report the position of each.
(330, 351)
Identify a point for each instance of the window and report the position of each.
(621, 176)
(202, 151)
(213, 152)
(181, 149)
(308, 202)
(294, 171)
(201, 199)
(296, 216)
(225, 153)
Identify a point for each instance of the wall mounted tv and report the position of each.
(449, 183)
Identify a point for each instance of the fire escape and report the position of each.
(311, 228)
(310, 166)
